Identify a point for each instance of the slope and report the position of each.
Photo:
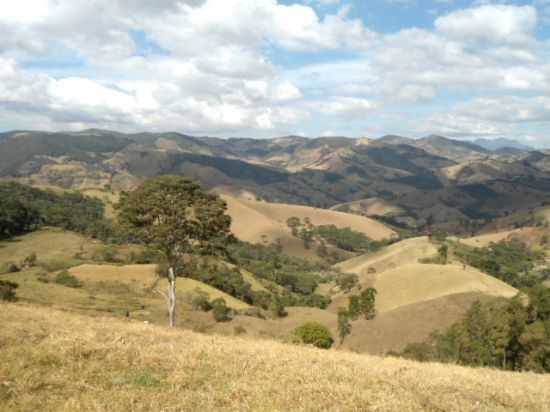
(259, 222)
(400, 253)
(53, 360)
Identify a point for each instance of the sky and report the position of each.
(264, 68)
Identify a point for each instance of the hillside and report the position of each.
(263, 222)
(400, 253)
(103, 363)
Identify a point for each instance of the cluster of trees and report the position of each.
(342, 238)
(511, 261)
(16, 218)
(509, 335)
(23, 208)
(298, 277)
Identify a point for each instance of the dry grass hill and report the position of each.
(262, 222)
(58, 361)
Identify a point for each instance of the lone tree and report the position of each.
(173, 215)
(344, 325)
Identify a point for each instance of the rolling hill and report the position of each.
(263, 222)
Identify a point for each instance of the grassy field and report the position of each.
(51, 245)
(57, 361)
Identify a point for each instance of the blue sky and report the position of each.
(264, 68)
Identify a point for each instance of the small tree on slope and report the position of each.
(172, 214)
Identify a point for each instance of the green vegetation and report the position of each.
(220, 310)
(507, 335)
(7, 291)
(23, 208)
(344, 324)
(66, 279)
(441, 258)
(347, 281)
(175, 217)
(512, 261)
(299, 277)
(313, 333)
(342, 238)
(363, 304)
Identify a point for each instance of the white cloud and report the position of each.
(491, 23)
(221, 69)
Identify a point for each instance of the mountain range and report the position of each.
(453, 184)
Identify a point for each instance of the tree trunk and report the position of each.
(172, 296)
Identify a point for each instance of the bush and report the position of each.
(277, 308)
(347, 281)
(313, 333)
(199, 301)
(66, 279)
(220, 310)
(9, 267)
(56, 265)
(7, 291)
(29, 261)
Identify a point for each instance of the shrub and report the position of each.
(56, 265)
(66, 279)
(220, 310)
(199, 301)
(347, 281)
(29, 261)
(7, 291)
(9, 267)
(313, 333)
(277, 308)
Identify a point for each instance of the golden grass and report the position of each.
(140, 276)
(185, 286)
(400, 253)
(49, 244)
(56, 361)
(144, 277)
(262, 222)
(415, 283)
(373, 206)
(486, 239)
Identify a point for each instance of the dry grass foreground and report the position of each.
(57, 361)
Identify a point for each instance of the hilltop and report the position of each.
(53, 360)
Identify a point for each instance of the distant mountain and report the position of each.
(501, 143)
(437, 179)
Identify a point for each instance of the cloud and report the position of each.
(503, 24)
(264, 67)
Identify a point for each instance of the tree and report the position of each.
(367, 301)
(344, 325)
(443, 253)
(174, 216)
(354, 307)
